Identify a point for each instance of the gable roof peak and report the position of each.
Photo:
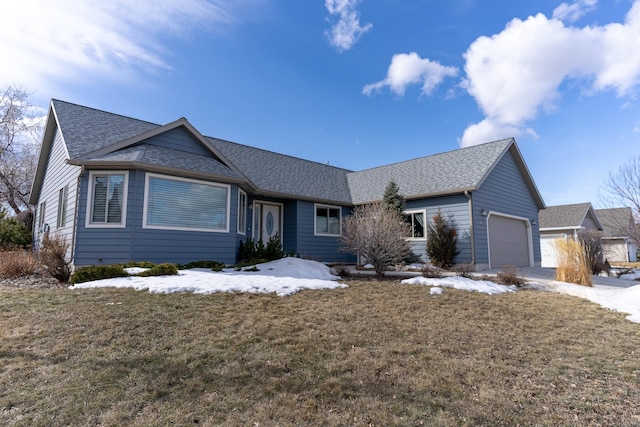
(61, 103)
(451, 172)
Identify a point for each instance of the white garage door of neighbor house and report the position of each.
(548, 250)
(508, 242)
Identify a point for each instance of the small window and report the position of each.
(62, 207)
(185, 204)
(107, 199)
(416, 220)
(242, 212)
(41, 218)
(328, 220)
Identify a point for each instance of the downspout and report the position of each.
(74, 230)
(471, 231)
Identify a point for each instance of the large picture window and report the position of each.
(416, 220)
(185, 204)
(328, 220)
(108, 199)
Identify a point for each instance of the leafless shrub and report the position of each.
(14, 264)
(341, 270)
(431, 271)
(377, 232)
(464, 270)
(591, 241)
(508, 276)
(53, 256)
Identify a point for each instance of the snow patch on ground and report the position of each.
(458, 282)
(626, 300)
(285, 276)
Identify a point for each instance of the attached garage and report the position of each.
(509, 241)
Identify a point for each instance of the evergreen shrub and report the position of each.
(441, 241)
(97, 272)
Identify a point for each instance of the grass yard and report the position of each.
(374, 354)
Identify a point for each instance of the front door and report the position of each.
(268, 221)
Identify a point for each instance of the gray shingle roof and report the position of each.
(86, 129)
(564, 216)
(615, 222)
(283, 174)
(445, 173)
(169, 158)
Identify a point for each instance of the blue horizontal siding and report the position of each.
(319, 248)
(455, 209)
(178, 139)
(504, 191)
(113, 245)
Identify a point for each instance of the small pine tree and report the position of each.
(441, 242)
(273, 250)
(393, 198)
(12, 233)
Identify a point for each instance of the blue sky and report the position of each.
(357, 84)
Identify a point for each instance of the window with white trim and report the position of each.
(185, 204)
(107, 199)
(62, 206)
(242, 212)
(328, 220)
(416, 220)
(41, 218)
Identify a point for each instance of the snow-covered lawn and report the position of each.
(626, 300)
(289, 275)
(459, 282)
(285, 276)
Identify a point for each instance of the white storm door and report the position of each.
(270, 222)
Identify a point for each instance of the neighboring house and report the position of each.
(616, 226)
(121, 189)
(563, 221)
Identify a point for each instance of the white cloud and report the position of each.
(347, 31)
(574, 11)
(408, 69)
(516, 74)
(72, 39)
(489, 130)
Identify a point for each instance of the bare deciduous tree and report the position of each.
(377, 232)
(20, 127)
(16, 174)
(622, 189)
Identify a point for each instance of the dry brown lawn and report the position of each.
(374, 354)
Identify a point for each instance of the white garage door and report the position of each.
(548, 250)
(508, 242)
